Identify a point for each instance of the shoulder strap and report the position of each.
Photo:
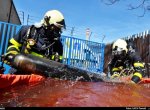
(32, 32)
(29, 32)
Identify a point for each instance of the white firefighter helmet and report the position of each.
(119, 46)
(54, 17)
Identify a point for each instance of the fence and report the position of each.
(141, 41)
(77, 52)
(83, 54)
(6, 32)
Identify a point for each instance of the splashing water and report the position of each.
(67, 93)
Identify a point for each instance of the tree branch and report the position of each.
(110, 2)
(144, 11)
(131, 7)
(142, 5)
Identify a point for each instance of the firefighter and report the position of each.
(125, 56)
(42, 39)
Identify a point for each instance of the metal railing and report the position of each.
(83, 54)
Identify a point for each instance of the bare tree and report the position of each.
(143, 4)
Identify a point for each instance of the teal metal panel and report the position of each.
(7, 31)
(83, 54)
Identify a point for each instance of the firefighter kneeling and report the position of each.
(125, 56)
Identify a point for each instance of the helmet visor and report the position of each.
(60, 24)
(118, 52)
(53, 28)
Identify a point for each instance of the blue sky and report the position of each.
(113, 21)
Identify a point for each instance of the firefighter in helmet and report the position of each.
(125, 56)
(41, 39)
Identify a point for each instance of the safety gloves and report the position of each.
(8, 58)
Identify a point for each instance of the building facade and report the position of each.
(8, 12)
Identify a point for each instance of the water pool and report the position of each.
(60, 93)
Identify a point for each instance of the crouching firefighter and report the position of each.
(124, 59)
(42, 40)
